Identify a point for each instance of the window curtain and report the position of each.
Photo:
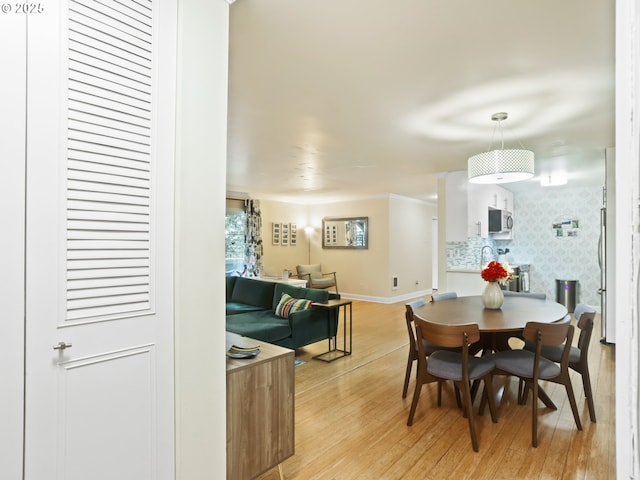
(253, 239)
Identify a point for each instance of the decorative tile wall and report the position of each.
(536, 242)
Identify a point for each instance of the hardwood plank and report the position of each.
(351, 418)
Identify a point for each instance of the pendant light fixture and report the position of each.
(501, 165)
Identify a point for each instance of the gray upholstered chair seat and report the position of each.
(554, 352)
(446, 364)
(520, 363)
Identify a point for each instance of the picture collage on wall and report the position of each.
(566, 227)
(284, 234)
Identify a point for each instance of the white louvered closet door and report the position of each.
(99, 248)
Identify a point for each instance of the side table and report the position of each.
(334, 352)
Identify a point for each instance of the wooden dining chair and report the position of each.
(413, 347)
(578, 355)
(532, 366)
(460, 367)
(435, 297)
(502, 341)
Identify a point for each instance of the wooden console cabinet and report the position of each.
(260, 411)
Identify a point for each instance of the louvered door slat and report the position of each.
(82, 34)
(83, 40)
(98, 127)
(105, 282)
(112, 13)
(127, 128)
(83, 254)
(106, 180)
(108, 94)
(109, 187)
(99, 293)
(99, 111)
(97, 158)
(114, 309)
(81, 13)
(84, 205)
(126, 109)
(109, 168)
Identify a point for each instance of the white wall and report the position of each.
(410, 245)
(199, 235)
(359, 272)
(552, 257)
(627, 223)
(12, 211)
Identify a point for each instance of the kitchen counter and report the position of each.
(464, 281)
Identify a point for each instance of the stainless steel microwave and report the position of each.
(500, 221)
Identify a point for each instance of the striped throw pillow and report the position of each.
(288, 305)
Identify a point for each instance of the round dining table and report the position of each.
(496, 325)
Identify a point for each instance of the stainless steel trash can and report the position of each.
(566, 293)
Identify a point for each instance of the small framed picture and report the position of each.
(284, 235)
(275, 232)
(293, 234)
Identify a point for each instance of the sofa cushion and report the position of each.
(262, 325)
(234, 308)
(251, 291)
(288, 305)
(313, 294)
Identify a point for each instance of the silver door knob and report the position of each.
(62, 346)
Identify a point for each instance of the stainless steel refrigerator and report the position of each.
(606, 251)
(602, 262)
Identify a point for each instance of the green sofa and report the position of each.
(251, 312)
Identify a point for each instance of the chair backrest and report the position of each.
(510, 293)
(408, 314)
(582, 308)
(314, 271)
(550, 334)
(585, 316)
(447, 335)
(443, 296)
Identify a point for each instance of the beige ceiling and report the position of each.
(330, 100)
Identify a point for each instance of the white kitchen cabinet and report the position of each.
(467, 207)
(500, 198)
(456, 192)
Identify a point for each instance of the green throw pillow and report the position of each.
(288, 305)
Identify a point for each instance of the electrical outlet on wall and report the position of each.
(395, 282)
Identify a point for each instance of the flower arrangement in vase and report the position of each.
(495, 273)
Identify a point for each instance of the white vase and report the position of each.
(492, 297)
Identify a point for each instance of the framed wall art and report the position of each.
(293, 234)
(275, 233)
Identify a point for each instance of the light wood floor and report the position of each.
(351, 418)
